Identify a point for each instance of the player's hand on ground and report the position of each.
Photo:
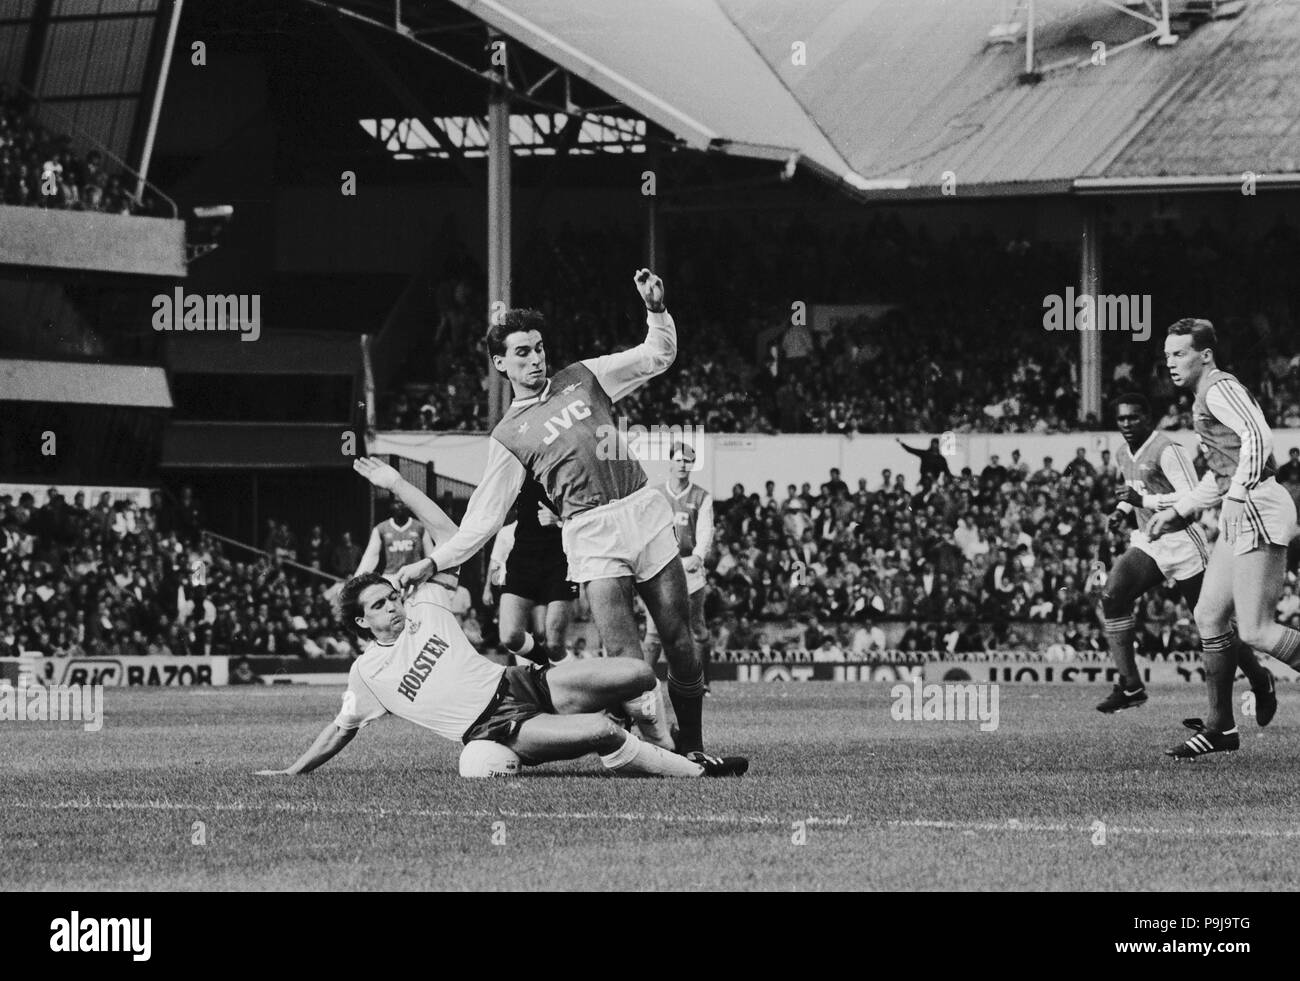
(546, 517)
(651, 288)
(1164, 521)
(377, 472)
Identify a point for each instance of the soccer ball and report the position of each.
(484, 758)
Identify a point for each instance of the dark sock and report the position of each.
(1220, 669)
(536, 652)
(688, 703)
(1252, 667)
(1120, 632)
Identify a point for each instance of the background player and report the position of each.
(395, 542)
(618, 531)
(693, 513)
(420, 667)
(1153, 464)
(536, 595)
(1247, 568)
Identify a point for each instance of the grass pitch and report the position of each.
(840, 796)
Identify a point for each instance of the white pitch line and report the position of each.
(1009, 825)
(376, 811)
(1013, 825)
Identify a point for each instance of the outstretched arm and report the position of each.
(370, 559)
(331, 739)
(437, 525)
(623, 373)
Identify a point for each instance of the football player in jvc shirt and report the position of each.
(618, 531)
(1153, 464)
(1247, 568)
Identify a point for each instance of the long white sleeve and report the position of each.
(1188, 495)
(623, 373)
(704, 529)
(1232, 405)
(488, 507)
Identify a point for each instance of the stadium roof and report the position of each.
(895, 93)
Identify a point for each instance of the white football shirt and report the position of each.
(431, 675)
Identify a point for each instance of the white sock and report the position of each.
(651, 716)
(635, 758)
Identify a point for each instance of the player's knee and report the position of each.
(513, 638)
(641, 677)
(1211, 623)
(1115, 601)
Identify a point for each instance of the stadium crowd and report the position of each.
(41, 169)
(926, 349)
(117, 579)
(1012, 558)
(968, 561)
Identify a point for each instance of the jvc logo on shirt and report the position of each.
(570, 414)
(102, 933)
(421, 667)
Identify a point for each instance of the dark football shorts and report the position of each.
(523, 693)
(539, 577)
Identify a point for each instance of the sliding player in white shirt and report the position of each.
(1247, 568)
(618, 531)
(419, 666)
(1153, 464)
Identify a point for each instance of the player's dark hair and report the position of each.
(512, 322)
(1200, 331)
(348, 605)
(1132, 398)
(680, 447)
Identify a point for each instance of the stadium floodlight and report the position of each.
(217, 212)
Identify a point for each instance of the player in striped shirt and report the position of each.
(1153, 464)
(1247, 569)
(618, 531)
(420, 666)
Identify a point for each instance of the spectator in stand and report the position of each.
(1289, 472)
(933, 464)
(1079, 466)
(1047, 475)
(994, 475)
(346, 556)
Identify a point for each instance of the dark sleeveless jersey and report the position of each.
(401, 545)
